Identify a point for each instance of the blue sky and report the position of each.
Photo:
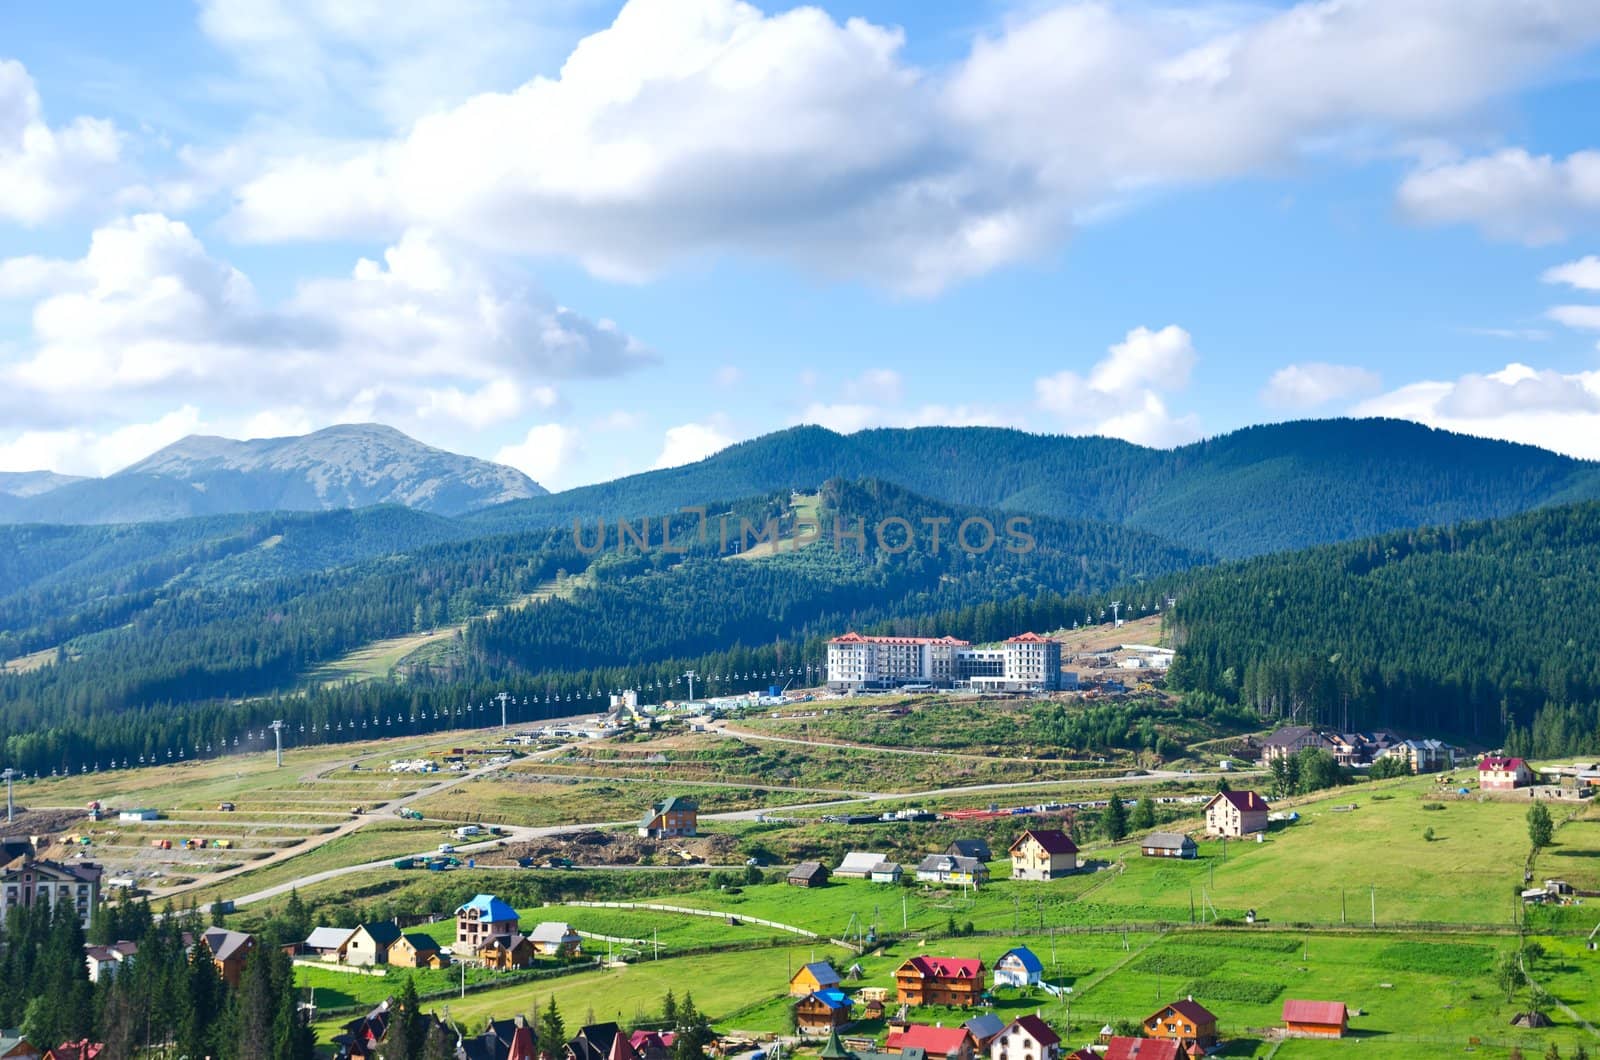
(589, 239)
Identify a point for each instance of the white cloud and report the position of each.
(1509, 195)
(1513, 334)
(545, 454)
(689, 442)
(875, 384)
(1304, 386)
(1584, 274)
(1121, 395)
(1557, 411)
(849, 417)
(694, 127)
(1582, 317)
(44, 170)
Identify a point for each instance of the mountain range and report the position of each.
(347, 466)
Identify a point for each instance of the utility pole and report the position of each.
(7, 777)
(1374, 905)
(502, 697)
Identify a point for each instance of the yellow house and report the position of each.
(818, 975)
(416, 951)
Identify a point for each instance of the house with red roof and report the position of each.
(1315, 1019)
(1027, 1038)
(1186, 1022)
(1043, 854)
(937, 1043)
(1236, 813)
(953, 981)
(1503, 774)
(1119, 1048)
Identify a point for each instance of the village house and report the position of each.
(1503, 774)
(328, 943)
(1186, 1022)
(886, 872)
(949, 868)
(823, 1010)
(858, 865)
(14, 1045)
(229, 950)
(28, 882)
(1236, 813)
(936, 1043)
(1018, 967)
(1422, 756)
(1027, 1038)
(671, 818)
(808, 874)
(971, 848)
(504, 953)
(818, 975)
(481, 921)
(417, 951)
(984, 1030)
(82, 1049)
(553, 938)
(1043, 854)
(369, 944)
(600, 1041)
(1120, 1048)
(652, 1045)
(1168, 845)
(103, 961)
(950, 981)
(1315, 1019)
(1291, 740)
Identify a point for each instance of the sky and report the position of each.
(589, 239)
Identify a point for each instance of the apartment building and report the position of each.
(1025, 663)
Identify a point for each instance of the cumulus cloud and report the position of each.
(545, 454)
(689, 442)
(692, 127)
(82, 451)
(1518, 403)
(849, 417)
(45, 170)
(1584, 274)
(1305, 386)
(1121, 397)
(428, 335)
(1509, 195)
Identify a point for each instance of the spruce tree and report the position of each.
(1114, 820)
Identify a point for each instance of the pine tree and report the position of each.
(1114, 820)
(552, 1032)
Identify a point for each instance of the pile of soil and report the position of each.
(593, 847)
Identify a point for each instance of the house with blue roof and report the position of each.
(823, 1010)
(483, 920)
(1018, 967)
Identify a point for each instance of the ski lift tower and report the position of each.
(8, 776)
(277, 735)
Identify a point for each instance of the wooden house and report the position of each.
(822, 1011)
(1168, 845)
(229, 951)
(1186, 1022)
(14, 1045)
(1236, 814)
(808, 874)
(552, 938)
(1315, 1019)
(505, 952)
(952, 981)
(417, 951)
(818, 975)
(1043, 854)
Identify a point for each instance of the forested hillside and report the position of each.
(1470, 630)
(1258, 490)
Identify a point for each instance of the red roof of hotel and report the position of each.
(855, 638)
(947, 967)
(935, 1041)
(1489, 764)
(1245, 800)
(1191, 1010)
(1038, 1030)
(1027, 638)
(1053, 840)
(1328, 1013)
(1141, 1049)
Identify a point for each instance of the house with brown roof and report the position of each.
(104, 961)
(1236, 813)
(1315, 1019)
(1027, 1038)
(952, 981)
(1186, 1022)
(1043, 854)
(505, 952)
(808, 874)
(82, 1049)
(936, 1043)
(1291, 740)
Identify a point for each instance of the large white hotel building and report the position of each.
(1026, 663)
